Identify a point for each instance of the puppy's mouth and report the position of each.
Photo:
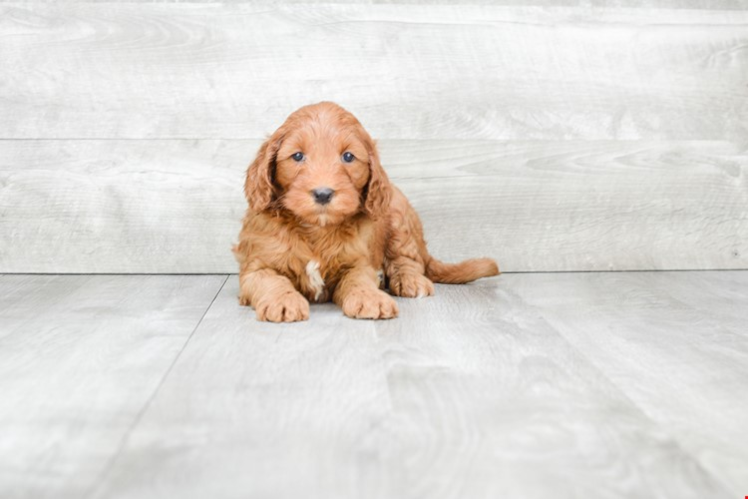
(323, 217)
(327, 216)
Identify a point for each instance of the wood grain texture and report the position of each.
(675, 343)
(79, 358)
(490, 401)
(526, 385)
(176, 206)
(646, 4)
(258, 409)
(235, 70)
(469, 394)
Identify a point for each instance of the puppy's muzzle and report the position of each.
(322, 195)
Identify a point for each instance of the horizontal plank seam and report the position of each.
(110, 463)
(382, 140)
(699, 270)
(114, 274)
(694, 270)
(561, 7)
(396, 178)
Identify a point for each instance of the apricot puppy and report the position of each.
(325, 223)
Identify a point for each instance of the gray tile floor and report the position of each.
(564, 384)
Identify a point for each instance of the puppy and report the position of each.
(325, 223)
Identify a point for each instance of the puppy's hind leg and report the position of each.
(407, 278)
(405, 265)
(412, 271)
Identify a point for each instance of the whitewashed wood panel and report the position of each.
(262, 410)
(529, 385)
(646, 4)
(468, 394)
(80, 356)
(176, 206)
(209, 70)
(112, 206)
(675, 343)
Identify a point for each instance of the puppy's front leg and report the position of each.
(273, 297)
(359, 296)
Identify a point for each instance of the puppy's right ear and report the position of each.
(258, 187)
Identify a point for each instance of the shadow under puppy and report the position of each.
(324, 222)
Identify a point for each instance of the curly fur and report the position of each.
(293, 250)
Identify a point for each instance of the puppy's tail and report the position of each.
(464, 272)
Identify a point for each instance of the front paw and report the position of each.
(411, 285)
(369, 304)
(286, 308)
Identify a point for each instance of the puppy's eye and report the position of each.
(298, 156)
(348, 157)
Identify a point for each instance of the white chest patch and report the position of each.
(315, 278)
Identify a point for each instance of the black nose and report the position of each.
(322, 195)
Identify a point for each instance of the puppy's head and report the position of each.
(321, 165)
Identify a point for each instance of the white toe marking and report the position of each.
(315, 278)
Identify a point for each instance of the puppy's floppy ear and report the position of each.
(258, 187)
(378, 191)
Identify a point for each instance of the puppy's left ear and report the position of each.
(378, 190)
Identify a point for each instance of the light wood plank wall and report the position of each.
(554, 136)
